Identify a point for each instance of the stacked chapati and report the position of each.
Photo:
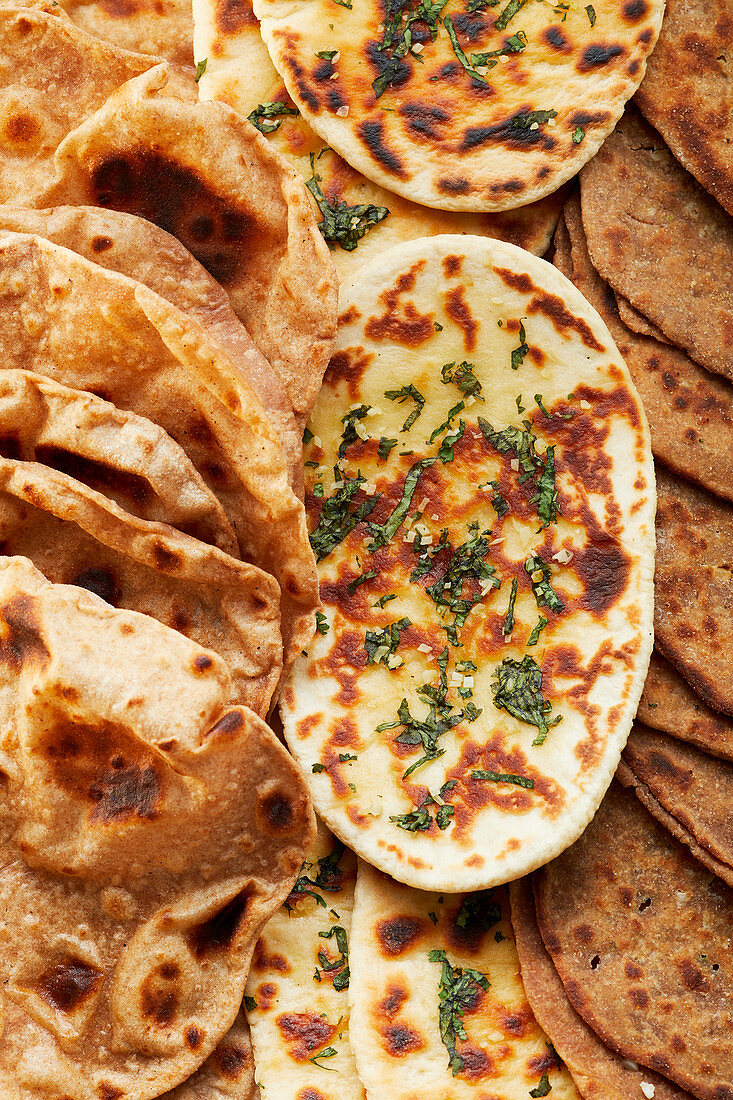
(471, 536)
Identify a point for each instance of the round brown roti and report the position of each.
(668, 703)
(408, 98)
(229, 1072)
(435, 551)
(640, 934)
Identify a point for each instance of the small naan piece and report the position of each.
(637, 322)
(485, 553)
(438, 1009)
(147, 833)
(75, 535)
(239, 72)
(94, 329)
(137, 248)
(642, 937)
(598, 1072)
(661, 241)
(668, 704)
(687, 93)
(228, 1073)
(695, 789)
(297, 999)
(690, 410)
(693, 587)
(417, 100)
(126, 457)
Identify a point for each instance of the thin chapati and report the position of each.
(693, 587)
(690, 411)
(137, 248)
(296, 998)
(667, 703)
(417, 100)
(661, 241)
(124, 456)
(438, 1009)
(453, 785)
(148, 832)
(687, 93)
(598, 1072)
(640, 934)
(229, 1072)
(694, 788)
(637, 322)
(75, 535)
(97, 330)
(239, 72)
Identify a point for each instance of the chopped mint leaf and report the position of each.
(338, 518)
(322, 623)
(518, 689)
(382, 533)
(458, 990)
(381, 645)
(349, 420)
(591, 13)
(250, 1004)
(508, 626)
(508, 13)
(539, 573)
(385, 599)
(343, 224)
(462, 375)
(352, 586)
(401, 396)
(519, 352)
(201, 69)
(264, 112)
(504, 777)
(578, 135)
(340, 980)
(385, 446)
(543, 1088)
(448, 24)
(535, 635)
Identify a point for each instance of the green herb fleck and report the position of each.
(546, 497)
(347, 757)
(433, 918)
(384, 642)
(343, 224)
(519, 353)
(401, 396)
(508, 626)
(459, 988)
(317, 769)
(340, 980)
(498, 502)
(525, 120)
(349, 420)
(543, 1088)
(266, 111)
(397, 39)
(326, 55)
(508, 13)
(437, 326)
(535, 635)
(384, 599)
(478, 911)
(515, 44)
(578, 135)
(591, 13)
(382, 533)
(462, 375)
(329, 1052)
(321, 623)
(250, 1004)
(518, 690)
(445, 450)
(504, 777)
(420, 820)
(467, 566)
(447, 423)
(328, 877)
(385, 446)
(448, 24)
(201, 69)
(544, 593)
(338, 518)
(352, 586)
(307, 437)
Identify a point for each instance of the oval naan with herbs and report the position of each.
(462, 104)
(480, 493)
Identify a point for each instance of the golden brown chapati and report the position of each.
(637, 322)
(641, 936)
(598, 1071)
(147, 833)
(228, 1073)
(693, 587)
(690, 411)
(669, 704)
(75, 535)
(661, 241)
(687, 93)
(395, 100)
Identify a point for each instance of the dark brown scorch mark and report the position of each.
(397, 934)
(217, 934)
(457, 309)
(68, 984)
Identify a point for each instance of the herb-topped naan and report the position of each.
(481, 500)
(483, 105)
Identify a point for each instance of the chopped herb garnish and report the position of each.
(540, 573)
(307, 437)
(352, 586)
(467, 565)
(519, 353)
(343, 224)
(419, 820)
(535, 635)
(398, 38)
(433, 918)
(591, 13)
(381, 645)
(317, 769)
(462, 375)
(311, 464)
(385, 599)
(459, 989)
(264, 111)
(328, 876)
(338, 519)
(401, 396)
(508, 626)
(201, 69)
(329, 1052)
(437, 326)
(547, 496)
(347, 757)
(382, 533)
(498, 503)
(522, 444)
(385, 446)
(478, 911)
(321, 623)
(448, 24)
(350, 420)
(508, 13)
(344, 4)
(340, 980)
(578, 135)
(445, 450)
(327, 55)
(515, 44)
(318, 489)
(504, 777)
(447, 423)
(528, 120)
(543, 1088)
(250, 1004)
(518, 689)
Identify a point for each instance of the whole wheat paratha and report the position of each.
(97, 330)
(637, 322)
(147, 831)
(667, 703)
(687, 93)
(438, 1006)
(436, 545)
(137, 248)
(661, 241)
(598, 1072)
(693, 587)
(75, 535)
(690, 410)
(418, 100)
(228, 1073)
(640, 934)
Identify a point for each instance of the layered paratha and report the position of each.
(669, 704)
(456, 107)
(438, 1010)
(480, 495)
(148, 832)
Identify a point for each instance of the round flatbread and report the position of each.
(477, 107)
(481, 501)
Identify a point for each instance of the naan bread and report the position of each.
(75, 535)
(137, 248)
(690, 410)
(640, 934)
(598, 1072)
(148, 833)
(297, 999)
(667, 703)
(403, 1030)
(239, 72)
(687, 93)
(93, 329)
(438, 134)
(126, 457)
(661, 241)
(395, 779)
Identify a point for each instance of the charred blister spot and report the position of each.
(102, 476)
(604, 569)
(458, 310)
(400, 1039)
(193, 1037)
(306, 1032)
(452, 266)
(276, 812)
(639, 998)
(101, 582)
(476, 1063)
(217, 934)
(599, 54)
(634, 10)
(228, 724)
(309, 1093)
(231, 1061)
(371, 132)
(101, 244)
(348, 365)
(454, 185)
(262, 960)
(399, 70)
(517, 1024)
(401, 321)
(21, 129)
(692, 977)
(398, 934)
(631, 970)
(392, 1001)
(69, 983)
(21, 642)
(233, 16)
(583, 933)
(109, 1092)
(202, 663)
(167, 559)
(160, 996)
(514, 131)
(424, 121)
(10, 447)
(556, 39)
